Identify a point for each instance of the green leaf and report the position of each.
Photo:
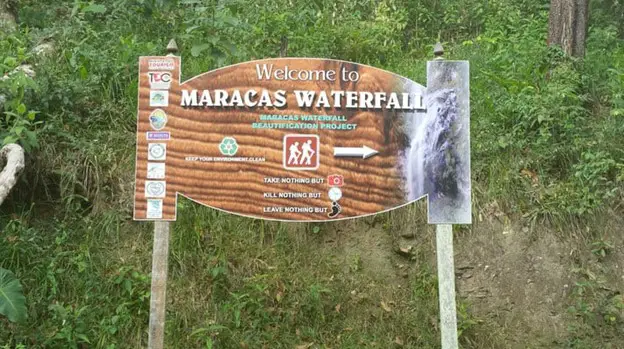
(230, 48)
(192, 28)
(83, 338)
(31, 139)
(198, 49)
(12, 301)
(83, 72)
(617, 112)
(21, 109)
(18, 130)
(94, 8)
(9, 139)
(211, 329)
(10, 61)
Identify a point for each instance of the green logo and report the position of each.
(228, 146)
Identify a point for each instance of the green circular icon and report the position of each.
(228, 146)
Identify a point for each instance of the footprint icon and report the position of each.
(335, 210)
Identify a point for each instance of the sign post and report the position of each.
(446, 286)
(302, 140)
(158, 298)
(448, 83)
(160, 266)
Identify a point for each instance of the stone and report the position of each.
(43, 49)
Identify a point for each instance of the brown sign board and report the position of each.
(299, 139)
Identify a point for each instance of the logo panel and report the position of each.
(158, 119)
(159, 80)
(159, 98)
(157, 151)
(154, 209)
(155, 189)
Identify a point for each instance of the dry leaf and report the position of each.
(278, 296)
(405, 251)
(338, 308)
(304, 346)
(385, 306)
(528, 173)
(398, 341)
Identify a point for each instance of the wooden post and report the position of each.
(446, 270)
(158, 300)
(160, 265)
(446, 286)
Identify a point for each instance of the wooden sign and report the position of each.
(296, 139)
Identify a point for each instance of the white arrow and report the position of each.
(363, 152)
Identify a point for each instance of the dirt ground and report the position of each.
(521, 281)
(518, 280)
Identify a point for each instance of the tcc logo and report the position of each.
(159, 80)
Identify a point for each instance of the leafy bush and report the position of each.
(17, 124)
(553, 115)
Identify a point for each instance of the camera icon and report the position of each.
(335, 180)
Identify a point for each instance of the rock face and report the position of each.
(24, 68)
(8, 15)
(43, 49)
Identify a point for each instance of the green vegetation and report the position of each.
(597, 305)
(546, 140)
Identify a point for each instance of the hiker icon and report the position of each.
(301, 152)
(307, 152)
(293, 158)
(335, 209)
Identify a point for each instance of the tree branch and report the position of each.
(13, 156)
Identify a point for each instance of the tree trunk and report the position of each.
(567, 27)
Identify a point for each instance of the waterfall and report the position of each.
(433, 165)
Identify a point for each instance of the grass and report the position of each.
(280, 286)
(596, 304)
(242, 283)
(233, 282)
